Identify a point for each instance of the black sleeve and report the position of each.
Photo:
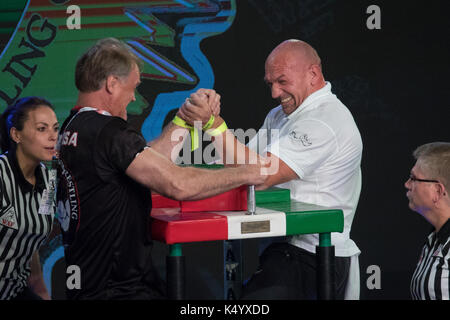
(117, 146)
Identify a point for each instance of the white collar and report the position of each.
(101, 111)
(326, 90)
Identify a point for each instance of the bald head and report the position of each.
(295, 51)
(293, 72)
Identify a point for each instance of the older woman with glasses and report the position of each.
(428, 193)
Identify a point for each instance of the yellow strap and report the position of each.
(180, 122)
(209, 123)
(219, 130)
(192, 130)
(194, 139)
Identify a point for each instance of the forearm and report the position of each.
(170, 142)
(188, 183)
(197, 183)
(230, 150)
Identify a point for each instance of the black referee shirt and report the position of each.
(430, 280)
(22, 229)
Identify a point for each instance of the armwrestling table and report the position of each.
(224, 217)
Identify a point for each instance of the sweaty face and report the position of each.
(125, 93)
(288, 81)
(37, 140)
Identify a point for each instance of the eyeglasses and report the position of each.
(412, 178)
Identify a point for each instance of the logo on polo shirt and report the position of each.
(303, 138)
(8, 218)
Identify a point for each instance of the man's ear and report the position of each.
(111, 83)
(314, 73)
(440, 192)
(441, 189)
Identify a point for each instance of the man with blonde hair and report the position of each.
(107, 172)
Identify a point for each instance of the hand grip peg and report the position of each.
(251, 202)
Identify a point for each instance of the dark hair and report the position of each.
(15, 116)
(107, 57)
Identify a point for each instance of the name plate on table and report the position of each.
(265, 223)
(255, 226)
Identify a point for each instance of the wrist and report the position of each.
(218, 128)
(218, 120)
(210, 123)
(181, 123)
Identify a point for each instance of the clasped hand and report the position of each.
(200, 106)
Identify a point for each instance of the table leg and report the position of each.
(175, 266)
(326, 283)
(232, 271)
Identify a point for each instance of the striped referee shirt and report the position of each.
(22, 229)
(430, 280)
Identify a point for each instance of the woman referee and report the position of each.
(28, 134)
(428, 193)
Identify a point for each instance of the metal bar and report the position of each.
(251, 203)
(175, 267)
(326, 282)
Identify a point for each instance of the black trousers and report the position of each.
(287, 272)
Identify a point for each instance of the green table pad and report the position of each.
(305, 218)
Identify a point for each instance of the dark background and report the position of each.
(393, 80)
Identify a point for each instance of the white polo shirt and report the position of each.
(321, 143)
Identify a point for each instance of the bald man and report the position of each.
(313, 142)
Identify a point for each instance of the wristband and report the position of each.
(192, 130)
(219, 130)
(194, 133)
(180, 122)
(209, 123)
